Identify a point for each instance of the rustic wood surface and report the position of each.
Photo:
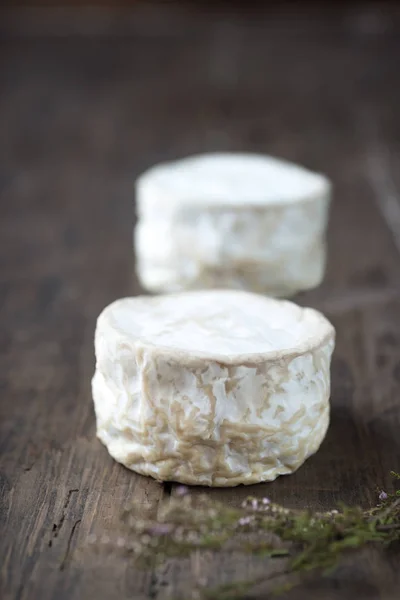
(86, 103)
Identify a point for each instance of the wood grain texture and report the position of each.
(80, 116)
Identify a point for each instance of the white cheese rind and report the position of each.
(211, 418)
(200, 227)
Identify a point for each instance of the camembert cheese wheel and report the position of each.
(237, 221)
(215, 388)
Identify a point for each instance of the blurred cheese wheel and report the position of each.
(237, 221)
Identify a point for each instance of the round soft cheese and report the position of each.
(212, 388)
(238, 221)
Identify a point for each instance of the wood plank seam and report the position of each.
(379, 176)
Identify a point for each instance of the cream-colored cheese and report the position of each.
(231, 220)
(212, 388)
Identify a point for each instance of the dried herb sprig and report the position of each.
(309, 541)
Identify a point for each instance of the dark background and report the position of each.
(88, 99)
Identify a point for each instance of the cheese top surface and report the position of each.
(234, 179)
(218, 324)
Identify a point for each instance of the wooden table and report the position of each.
(87, 101)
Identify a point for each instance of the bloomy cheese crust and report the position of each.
(179, 394)
(231, 220)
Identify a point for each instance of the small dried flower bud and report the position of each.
(160, 529)
(181, 490)
(244, 520)
(248, 502)
(383, 495)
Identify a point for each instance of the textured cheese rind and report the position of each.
(183, 416)
(190, 238)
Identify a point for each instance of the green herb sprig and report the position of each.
(307, 541)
